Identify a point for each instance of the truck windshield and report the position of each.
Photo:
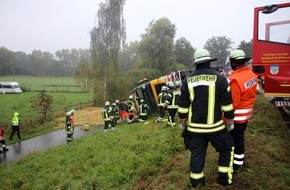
(275, 26)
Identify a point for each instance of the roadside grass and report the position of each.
(152, 157)
(112, 161)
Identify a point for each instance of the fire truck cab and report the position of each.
(271, 50)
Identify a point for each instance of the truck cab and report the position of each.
(271, 49)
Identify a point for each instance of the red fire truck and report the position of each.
(271, 50)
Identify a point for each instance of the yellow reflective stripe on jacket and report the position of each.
(227, 108)
(206, 128)
(211, 104)
(197, 175)
(182, 110)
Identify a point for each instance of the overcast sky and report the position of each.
(51, 25)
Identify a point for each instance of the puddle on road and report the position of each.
(41, 143)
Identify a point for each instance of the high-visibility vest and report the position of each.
(15, 121)
(247, 82)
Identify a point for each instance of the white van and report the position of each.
(9, 88)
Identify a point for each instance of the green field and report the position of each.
(25, 103)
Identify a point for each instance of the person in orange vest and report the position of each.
(2, 140)
(243, 83)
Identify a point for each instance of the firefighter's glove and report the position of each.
(230, 124)
(182, 126)
(165, 105)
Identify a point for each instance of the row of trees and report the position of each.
(38, 63)
(112, 68)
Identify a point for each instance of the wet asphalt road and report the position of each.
(41, 143)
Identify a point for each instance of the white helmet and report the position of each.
(107, 103)
(164, 88)
(130, 97)
(68, 113)
(171, 84)
(177, 83)
(114, 104)
(142, 101)
(117, 101)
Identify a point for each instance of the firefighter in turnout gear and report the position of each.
(107, 116)
(243, 84)
(2, 140)
(205, 97)
(117, 110)
(69, 126)
(162, 104)
(131, 109)
(143, 111)
(172, 99)
(113, 116)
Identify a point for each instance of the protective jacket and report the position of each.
(162, 98)
(172, 98)
(2, 137)
(205, 97)
(107, 113)
(243, 84)
(68, 123)
(143, 108)
(15, 120)
(131, 107)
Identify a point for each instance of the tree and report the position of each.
(44, 104)
(107, 38)
(156, 46)
(7, 62)
(183, 52)
(129, 56)
(247, 47)
(40, 62)
(219, 47)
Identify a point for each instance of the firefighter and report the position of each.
(69, 126)
(205, 97)
(143, 111)
(2, 140)
(243, 84)
(113, 116)
(107, 113)
(131, 109)
(117, 110)
(172, 99)
(15, 126)
(72, 113)
(162, 105)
